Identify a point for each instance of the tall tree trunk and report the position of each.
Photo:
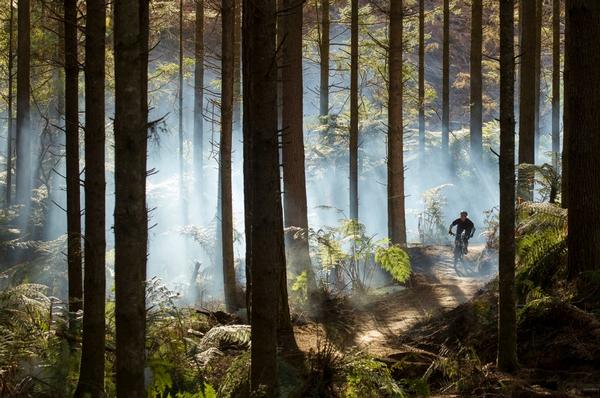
(555, 83)
(564, 186)
(198, 97)
(527, 97)
(227, 69)
(24, 133)
(131, 219)
(182, 190)
(91, 375)
(446, 83)
(72, 158)
(294, 182)
(395, 155)
(539, 5)
(422, 84)
(324, 63)
(582, 98)
(353, 157)
(237, 71)
(263, 190)
(507, 316)
(476, 80)
(9, 101)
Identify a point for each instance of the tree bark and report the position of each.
(198, 145)
(324, 63)
(91, 375)
(539, 5)
(564, 186)
(227, 83)
(476, 80)
(294, 181)
(507, 316)
(131, 220)
(555, 83)
(582, 98)
(9, 103)
(395, 155)
(74, 260)
(24, 133)
(527, 97)
(237, 71)
(263, 190)
(422, 84)
(353, 156)
(446, 83)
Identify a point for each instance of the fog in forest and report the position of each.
(184, 218)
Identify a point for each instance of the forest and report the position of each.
(299, 198)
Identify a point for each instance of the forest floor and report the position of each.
(377, 319)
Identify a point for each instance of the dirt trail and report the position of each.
(384, 316)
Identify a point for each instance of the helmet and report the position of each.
(464, 212)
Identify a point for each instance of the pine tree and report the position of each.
(582, 99)
(476, 80)
(91, 375)
(131, 31)
(264, 219)
(395, 157)
(507, 316)
(74, 259)
(226, 197)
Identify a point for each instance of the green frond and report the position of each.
(394, 260)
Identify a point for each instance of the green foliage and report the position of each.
(236, 383)
(541, 248)
(432, 228)
(367, 378)
(547, 179)
(394, 260)
(351, 253)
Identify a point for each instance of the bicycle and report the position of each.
(460, 245)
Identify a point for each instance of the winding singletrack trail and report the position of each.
(384, 315)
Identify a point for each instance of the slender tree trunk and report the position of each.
(582, 98)
(199, 97)
(354, 111)
(555, 83)
(9, 101)
(247, 42)
(74, 259)
(527, 97)
(538, 71)
(564, 186)
(227, 83)
(476, 80)
(237, 72)
(131, 220)
(507, 316)
(395, 155)
(91, 375)
(324, 63)
(24, 133)
(263, 191)
(294, 182)
(446, 83)
(422, 84)
(182, 189)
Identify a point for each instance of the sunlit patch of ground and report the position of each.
(390, 310)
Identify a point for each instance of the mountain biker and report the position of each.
(463, 225)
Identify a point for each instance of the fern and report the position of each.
(395, 261)
(541, 248)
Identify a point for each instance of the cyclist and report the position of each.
(463, 225)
